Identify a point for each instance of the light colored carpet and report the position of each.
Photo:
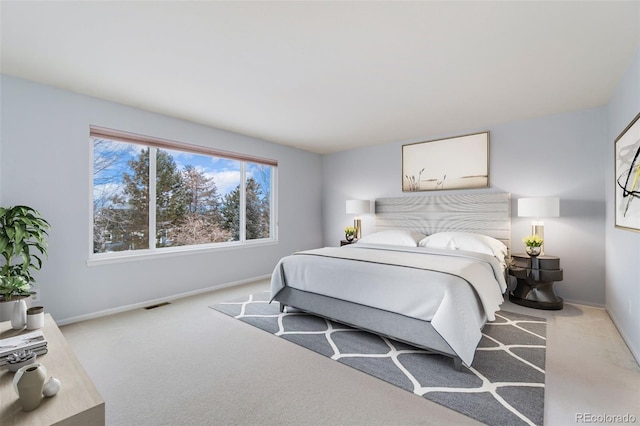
(185, 364)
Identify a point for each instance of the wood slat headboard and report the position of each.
(485, 213)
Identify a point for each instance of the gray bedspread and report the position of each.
(456, 291)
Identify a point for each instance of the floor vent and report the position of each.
(157, 306)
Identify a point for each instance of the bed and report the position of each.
(431, 276)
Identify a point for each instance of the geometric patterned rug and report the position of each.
(503, 386)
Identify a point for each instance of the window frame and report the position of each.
(156, 252)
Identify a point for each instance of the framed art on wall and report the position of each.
(460, 162)
(627, 177)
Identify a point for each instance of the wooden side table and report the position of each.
(78, 401)
(535, 277)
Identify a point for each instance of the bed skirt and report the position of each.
(415, 332)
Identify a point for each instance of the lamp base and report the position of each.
(357, 223)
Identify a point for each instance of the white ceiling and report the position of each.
(328, 76)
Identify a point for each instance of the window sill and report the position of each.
(140, 255)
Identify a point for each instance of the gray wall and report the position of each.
(46, 164)
(561, 155)
(623, 247)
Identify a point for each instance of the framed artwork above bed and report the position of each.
(460, 162)
(627, 177)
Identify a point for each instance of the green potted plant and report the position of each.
(534, 244)
(23, 243)
(349, 233)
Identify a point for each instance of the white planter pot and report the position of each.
(6, 308)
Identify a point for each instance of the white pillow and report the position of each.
(466, 241)
(396, 237)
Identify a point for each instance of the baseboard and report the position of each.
(146, 303)
(583, 303)
(625, 338)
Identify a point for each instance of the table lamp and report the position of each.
(539, 208)
(358, 207)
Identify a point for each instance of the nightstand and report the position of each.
(535, 277)
(345, 242)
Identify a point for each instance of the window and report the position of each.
(152, 195)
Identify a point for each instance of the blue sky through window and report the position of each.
(111, 161)
(225, 172)
(108, 172)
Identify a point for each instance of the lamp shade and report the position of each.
(358, 206)
(539, 207)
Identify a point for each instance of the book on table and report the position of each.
(34, 341)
